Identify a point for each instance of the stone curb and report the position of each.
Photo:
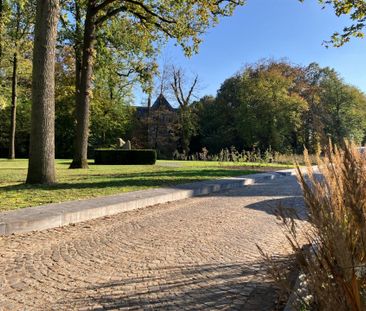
(65, 213)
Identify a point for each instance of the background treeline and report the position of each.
(124, 55)
(100, 49)
(271, 105)
(280, 106)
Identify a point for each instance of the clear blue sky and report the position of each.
(271, 29)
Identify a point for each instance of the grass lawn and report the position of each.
(101, 180)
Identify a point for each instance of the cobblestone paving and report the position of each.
(196, 254)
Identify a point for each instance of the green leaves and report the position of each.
(184, 20)
(356, 10)
(282, 106)
(344, 109)
(267, 109)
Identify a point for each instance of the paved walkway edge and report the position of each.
(61, 214)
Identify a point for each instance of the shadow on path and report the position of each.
(239, 286)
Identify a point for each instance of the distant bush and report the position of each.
(233, 155)
(124, 157)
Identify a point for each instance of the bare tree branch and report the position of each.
(192, 89)
(110, 14)
(178, 84)
(151, 12)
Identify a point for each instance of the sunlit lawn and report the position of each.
(101, 180)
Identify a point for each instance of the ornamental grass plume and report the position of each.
(334, 263)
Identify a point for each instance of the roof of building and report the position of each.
(160, 103)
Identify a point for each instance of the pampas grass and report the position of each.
(334, 263)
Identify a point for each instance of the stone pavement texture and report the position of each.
(194, 254)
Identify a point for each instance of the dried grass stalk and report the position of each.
(335, 261)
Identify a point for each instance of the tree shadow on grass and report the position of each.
(178, 173)
(239, 286)
(138, 180)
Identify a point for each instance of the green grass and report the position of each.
(101, 180)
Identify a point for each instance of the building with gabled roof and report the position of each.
(162, 103)
(160, 122)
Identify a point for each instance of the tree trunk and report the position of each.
(1, 27)
(148, 121)
(149, 102)
(184, 130)
(13, 113)
(80, 159)
(77, 48)
(41, 169)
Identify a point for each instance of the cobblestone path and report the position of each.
(195, 254)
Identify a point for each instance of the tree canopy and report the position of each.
(356, 10)
(103, 49)
(283, 107)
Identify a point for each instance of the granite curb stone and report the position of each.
(65, 213)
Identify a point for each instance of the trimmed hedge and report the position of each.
(124, 157)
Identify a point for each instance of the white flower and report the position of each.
(308, 299)
(304, 283)
(360, 272)
(302, 277)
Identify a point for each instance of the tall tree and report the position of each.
(14, 82)
(344, 109)
(80, 159)
(312, 123)
(127, 45)
(261, 107)
(121, 61)
(41, 167)
(184, 92)
(19, 28)
(282, 106)
(4, 16)
(71, 34)
(111, 113)
(269, 95)
(183, 20)
(1, 27)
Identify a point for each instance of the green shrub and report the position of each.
(124, 157)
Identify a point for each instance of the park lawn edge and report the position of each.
(103, 180)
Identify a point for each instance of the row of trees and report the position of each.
(128, 31)
(100, 48)
(269, 105)
(280, 106)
